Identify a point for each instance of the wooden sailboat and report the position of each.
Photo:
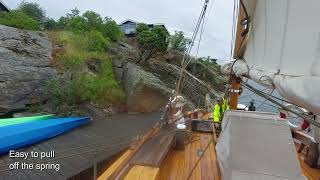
(154, 157)
(162, 153)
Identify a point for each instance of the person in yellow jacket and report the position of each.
(219, 108)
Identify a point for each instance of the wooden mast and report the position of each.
(234, 91)
(235, 83)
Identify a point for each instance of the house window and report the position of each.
(130, 31)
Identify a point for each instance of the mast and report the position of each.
(240, 32)
(234, 91)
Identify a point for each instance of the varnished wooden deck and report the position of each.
(188, 163)
(310, 173)
(182, 164)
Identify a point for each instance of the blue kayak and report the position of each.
(25, 134)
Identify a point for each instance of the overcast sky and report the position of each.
(175, 14)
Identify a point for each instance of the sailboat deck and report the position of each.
(188, 163)
(310, 173)
(197, 161)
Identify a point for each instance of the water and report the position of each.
(260, 103)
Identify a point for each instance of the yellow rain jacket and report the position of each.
(219, 110)
(217, 113)
(225, 104)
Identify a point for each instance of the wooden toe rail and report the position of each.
(307, 141)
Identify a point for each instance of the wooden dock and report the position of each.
(75, 151)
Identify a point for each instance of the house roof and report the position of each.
(128, 20)
(155, 24)
(3, 6)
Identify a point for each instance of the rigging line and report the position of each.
(261, 104)
(195, 32)
(200, 37)
(202, 154)
(305, 117)
(192, 36)
(201, 32)
(209, 12)
(187, 54)
(280, 99)
(253, 93)
(233, 28)
(199, 42)
(273, 106)
(204, 25)
(244, 9)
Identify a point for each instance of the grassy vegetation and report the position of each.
(84, 85)
(18, 19)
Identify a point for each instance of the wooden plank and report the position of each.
(138, 172)
(193, 156)
(154, 150)
(179, 162)
(198, 166)
(313, 153)
(134, 173)
(174, 166)
(208, 161)
(214, 162)
(187, 160)
(114, 166)
(149, 173)
(166, 166)
(204, 169)
(126, 164)
(310, 173)
(183, 164)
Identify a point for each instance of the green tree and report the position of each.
(151, 42)
(93, 19)
(18, 19)
(74, 13)
(96, 42)
(50, 24)
(33, 10)
(77, 24)
(179, 42)
(62, 22)
(142, 27)
(111, 30)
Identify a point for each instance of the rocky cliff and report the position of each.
(149, 85)
(24, 67)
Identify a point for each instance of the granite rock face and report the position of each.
(149, 85)
(24, 67)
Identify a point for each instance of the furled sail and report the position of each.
(282, 48)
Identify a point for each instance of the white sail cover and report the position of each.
(257, 146)
(283, 48)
